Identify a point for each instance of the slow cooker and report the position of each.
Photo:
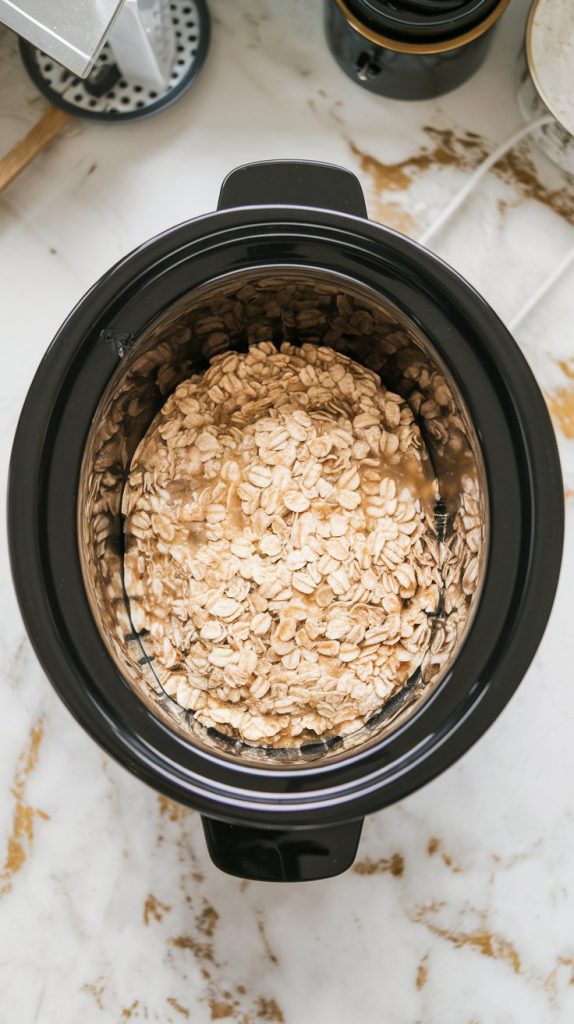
(286, 237)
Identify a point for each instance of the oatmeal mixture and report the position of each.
(281, 554)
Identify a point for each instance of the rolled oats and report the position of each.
(280, 542)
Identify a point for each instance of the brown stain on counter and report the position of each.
(465, 151)
(202, 951)
(434, 846)
(129, 1010)
(385, 177)
(448, 149)
(96, 989)
(518, 169)
(171, 810)
(561, 401)
(422, 974)
(568, 961)
(394, 865)
(393, 216)
(220, 1010)
(561, 407)
(271, 956)
(24, 816)
(154, 908)
(567, 367)
(206, 921)
(182, 1010)
(224, 997)
(484, 941)
(269, 1010)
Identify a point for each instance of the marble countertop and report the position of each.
(460, 906)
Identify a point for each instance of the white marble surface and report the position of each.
(109, 907)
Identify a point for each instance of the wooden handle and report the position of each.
(24, 151)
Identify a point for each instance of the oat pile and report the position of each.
(281, 551)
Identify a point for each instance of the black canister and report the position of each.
(411, 49)
(284, 232)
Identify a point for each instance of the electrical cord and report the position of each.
(461, 196)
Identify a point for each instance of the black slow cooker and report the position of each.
(285, 236)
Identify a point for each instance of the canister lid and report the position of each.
(421, 20)
(550, 56)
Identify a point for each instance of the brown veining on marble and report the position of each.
(202, 951)
(561, 401)
(271, 956)
(226, 997)
(489, 943)
(206, 921)
(268, 1010)
(154, 908)
(24, 816)
(394, 865)
(172, 810)
(482, 939)
(129, 1011)
(447, 149)
(422, 973)
(96, 989)
(550, 981)
(390, 177)
(518, 169)
(394, 216)
(463, 150)
(568, 961)
(567, 367)
(16, 665)
(221, 1010)
(182, 1010)
(519, 857)
(435, 846)
(561, 406)
(334, 112)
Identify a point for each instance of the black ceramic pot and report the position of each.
(411, 49)
(295, 232)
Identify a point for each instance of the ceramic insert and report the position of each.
(287, 316)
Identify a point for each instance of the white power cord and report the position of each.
(541, 291)
(479, 173)
(461, 196)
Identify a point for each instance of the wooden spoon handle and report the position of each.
(24, 151)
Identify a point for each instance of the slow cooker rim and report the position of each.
(300, 804)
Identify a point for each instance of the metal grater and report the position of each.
(151, 55)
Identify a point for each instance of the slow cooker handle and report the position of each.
(302, 854)
(282, 855)
(293, 183)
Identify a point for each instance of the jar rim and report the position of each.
(405, 37)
